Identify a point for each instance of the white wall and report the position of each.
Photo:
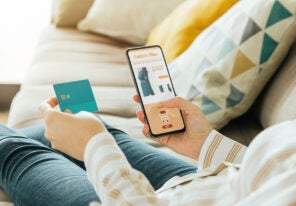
(21, 22)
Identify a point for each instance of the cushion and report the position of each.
(130, 21)
(66, 55)
(278, 102)
(227, 66)
(67, 13)
(176, 33)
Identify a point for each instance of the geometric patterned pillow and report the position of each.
(227, 65)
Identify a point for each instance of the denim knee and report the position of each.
(8, 144)
(13, 145)
(5, 131)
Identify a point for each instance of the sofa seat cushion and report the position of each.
(67, 55)
(243, 129)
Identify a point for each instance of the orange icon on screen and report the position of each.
(167, 126)
(164, 116)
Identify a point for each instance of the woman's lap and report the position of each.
(156, 165)
(32, 164)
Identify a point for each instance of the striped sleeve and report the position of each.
(114, 180)
(218, 148)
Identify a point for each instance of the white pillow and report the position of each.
(130, 20)
(229, 63)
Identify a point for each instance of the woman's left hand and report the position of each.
(69, 133)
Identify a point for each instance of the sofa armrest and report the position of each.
(277, 102)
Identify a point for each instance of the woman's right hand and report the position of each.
(67, 132)
(198, 128)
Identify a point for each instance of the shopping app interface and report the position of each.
(155, 86)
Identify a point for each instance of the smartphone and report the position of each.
(154, 85)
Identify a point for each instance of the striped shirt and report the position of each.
(228, 174)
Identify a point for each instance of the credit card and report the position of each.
(76, 96)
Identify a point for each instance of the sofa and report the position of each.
(66, 54)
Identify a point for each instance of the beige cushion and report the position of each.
(130, 21)
(66, 55)
(67, 13)
(278, 102)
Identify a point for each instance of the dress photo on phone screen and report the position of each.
(145, 82)
(154, 85)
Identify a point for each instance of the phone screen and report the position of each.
(154, 85)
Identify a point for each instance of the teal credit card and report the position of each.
(76, 96)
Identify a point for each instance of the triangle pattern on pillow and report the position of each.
(278, 13)
(193, 92)
(215, 79)
(251, 29)
(235, 97)
(208, 106)
(242, 64)
(269, 45)
(227, 47)
(205, 63)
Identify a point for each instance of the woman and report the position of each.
(123, 171)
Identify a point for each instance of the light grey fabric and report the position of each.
(278, 103)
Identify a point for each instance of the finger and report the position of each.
(47, 105)
(136, 98)
(53, 146)
(145, 131)
(68, 111)
(48, 135)
(141, 116)
(53, 102)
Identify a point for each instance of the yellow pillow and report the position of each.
(180, 28)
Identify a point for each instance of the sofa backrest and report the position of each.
(67, 13)
(277, 103)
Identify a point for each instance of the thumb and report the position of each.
(47, 105)
(176, 102)
(68, 111)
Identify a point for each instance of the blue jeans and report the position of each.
(34, 174)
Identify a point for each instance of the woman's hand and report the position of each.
(198, 128)
(67, 132)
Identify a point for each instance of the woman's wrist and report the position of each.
(200, 143)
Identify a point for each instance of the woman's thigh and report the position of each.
(157, 166)
(37, 132)
(34, 174)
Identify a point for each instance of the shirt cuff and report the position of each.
(218, 148)
(98, 141)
